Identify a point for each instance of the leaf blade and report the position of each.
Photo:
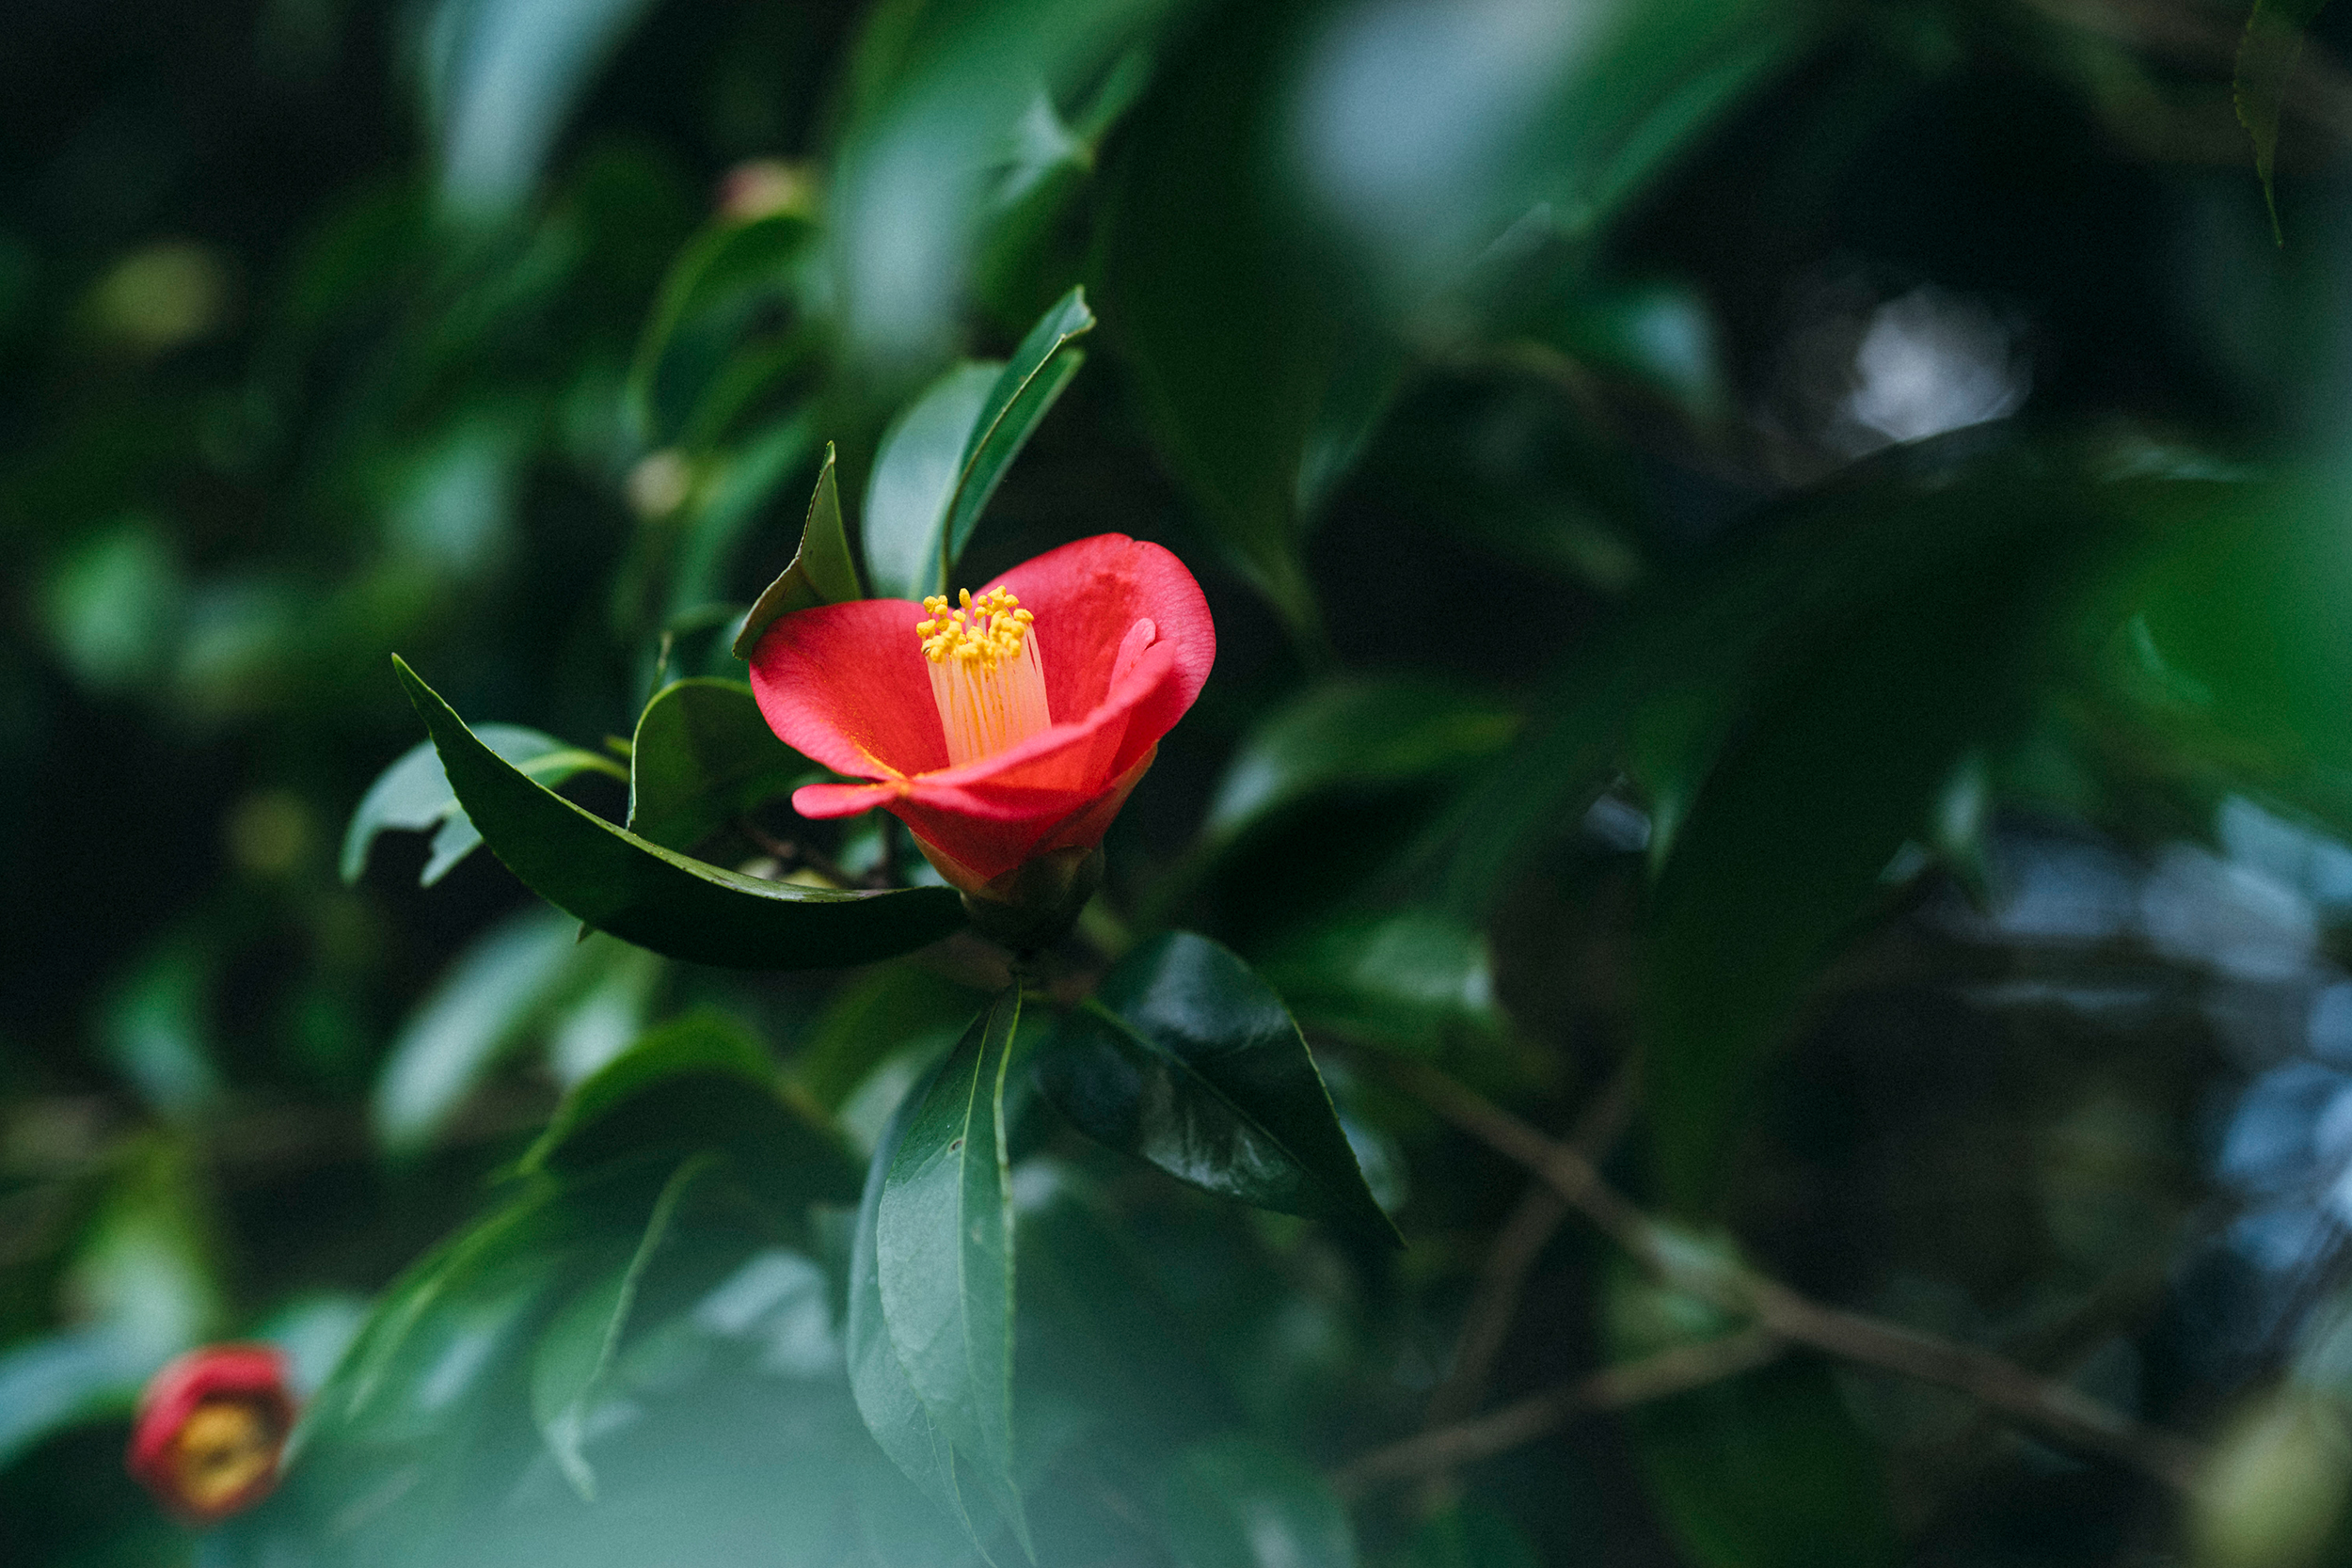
(642, 893)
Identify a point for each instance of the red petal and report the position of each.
(845, 684)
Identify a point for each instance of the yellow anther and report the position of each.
(986, 675)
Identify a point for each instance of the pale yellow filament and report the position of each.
(986, 674)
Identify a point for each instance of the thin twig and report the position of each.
(1503, 1278)
(1679, 1261)
(1672, 1372)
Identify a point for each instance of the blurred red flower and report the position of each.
(1003, 729)
(210, 1429)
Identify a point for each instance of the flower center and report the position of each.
(226, 1446)
(986, 675)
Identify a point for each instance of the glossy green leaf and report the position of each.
(916, 471)
(2266, 68)
(503, 75)
(702, 756)
(821, 571)
(1186, 1059)
(1358, 734)
(887, 1397)
(576, 1350)
(702, 1045)
(1024, 391)
(414, 794)
(479, 1009)
(1235, 1502)
(712, 295)
(658, 898)
(943, 1256)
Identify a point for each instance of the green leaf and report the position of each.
(943, 1256)
(576, 1350)
(413, 793)
(1235, 1502)
(871, 1020)
(2266, 67)
(1186, 1059)
(886, 1400)
(702, 756)
(1357, 733)
(642, 893)
(1025, 391)
(712, 294)
(703, 1045)
(916, 472)
(1411, 979)
(1781, 855)
(821, 571)
(1228, 326)
(943, 457)
(480, 1008)
(1469, 1534)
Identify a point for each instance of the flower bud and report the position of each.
(210, 1431)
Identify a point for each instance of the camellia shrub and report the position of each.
(1285, 784)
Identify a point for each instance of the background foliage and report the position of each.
(1781, 576)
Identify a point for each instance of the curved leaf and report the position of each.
(886, 1400)
(2265, 66)
(703, 755)
(413, 793)
(1186, 1059)
(713, 291)
(570, 1363)
(821, 571)
(658, 898)
(914, 483)
(943, 1255)
(701, 1045)
(1025, 389)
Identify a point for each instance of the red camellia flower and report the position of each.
(210, 1429)
(1002, 729)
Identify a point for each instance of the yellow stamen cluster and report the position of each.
(986, 676)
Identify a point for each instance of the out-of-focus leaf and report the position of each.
(1186, 1059)
(914, 179)
(1228, 327)
(731, 496)
(113, 605)
(943, 1256)
(885, 1393)
(158, 1032)
(501, 76)
(696, 1082)
(414, 794)
(1025, 391)
(821, 571)
(570, 1363)
(1357, 733)
(51, 1383)
(703, 755)
(1235, 1502)
(714, 289)
(458, 1033)
(1761, 1471)
(2265, 66)
(1469, 1534)
(1409, 979)
(874, 1017)
(660, 899)
(915, 478)
(1443, 142)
